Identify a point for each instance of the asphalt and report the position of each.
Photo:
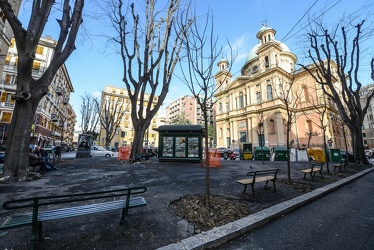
(222, 234)
(156, 226)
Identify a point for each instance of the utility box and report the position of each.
(262, 153)
(245, 151)
(334, 155)
(279, 154)
(316, 154)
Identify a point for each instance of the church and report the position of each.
(269, 97)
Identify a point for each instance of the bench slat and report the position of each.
(16, 221)
(89, 209)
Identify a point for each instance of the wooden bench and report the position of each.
(259, 176)
(73, 205)
(340, 166)
(313, 168)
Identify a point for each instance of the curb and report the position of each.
(222, 234)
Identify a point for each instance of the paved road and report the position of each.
(341, 220)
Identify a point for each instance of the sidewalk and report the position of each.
(156, 225)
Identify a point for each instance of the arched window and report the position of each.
(269, 92)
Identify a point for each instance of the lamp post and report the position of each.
(261, 139)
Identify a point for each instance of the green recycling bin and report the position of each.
(334, 155)
(280, 153)
(262, 153)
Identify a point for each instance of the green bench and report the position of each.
(259, 176)
(313, 169)
(72, 205)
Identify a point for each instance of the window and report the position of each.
(36, 66)
(243, 136)
(258, 97)
(266, 62)
(227, 107)
(241, 100)
(6, 117)
(8, 79)
(220, 108)
(269, 92)
(39, 50)
(2, 16)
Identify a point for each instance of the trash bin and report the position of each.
(334, 155)
(316, 154)
(280, 153)
(262, 153)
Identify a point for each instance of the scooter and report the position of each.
(232, 155)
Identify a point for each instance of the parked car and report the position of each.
(100, 151)
(2, 153)
(350, 156)
(369, 153)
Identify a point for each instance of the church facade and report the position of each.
(256, 106)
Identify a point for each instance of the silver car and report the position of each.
(100, 151)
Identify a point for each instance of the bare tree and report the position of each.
(150, 50)
(202, 52)
(90, 109)
(338, 66)
(321, 108)
(309, 135)
(290, 97)
(111, 114)
(29, 90)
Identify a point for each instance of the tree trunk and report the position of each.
(325, 150)
(358, 146)
(137, 145)
(18, 141)
(207, 173)
(288, 152)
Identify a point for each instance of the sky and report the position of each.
(92, 66)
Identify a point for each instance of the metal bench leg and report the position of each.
(275, 188)
(266, 186)
(253, 190)
(124, 220)
(245, 188)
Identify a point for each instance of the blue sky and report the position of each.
(92, 66)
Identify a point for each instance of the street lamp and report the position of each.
(261, 139)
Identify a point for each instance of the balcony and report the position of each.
(7, 105)
(54, 117)
(58, 91)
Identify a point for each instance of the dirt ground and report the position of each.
(175, 196)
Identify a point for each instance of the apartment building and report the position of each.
(6, 34)
(124, 136)
(188, 107)
(54, 120)
(368, 123)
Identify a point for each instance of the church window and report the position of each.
(241, 100)
(266, 62)
(269, 38)
(258, 97)
(269, 91)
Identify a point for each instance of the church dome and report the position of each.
(252, 53)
